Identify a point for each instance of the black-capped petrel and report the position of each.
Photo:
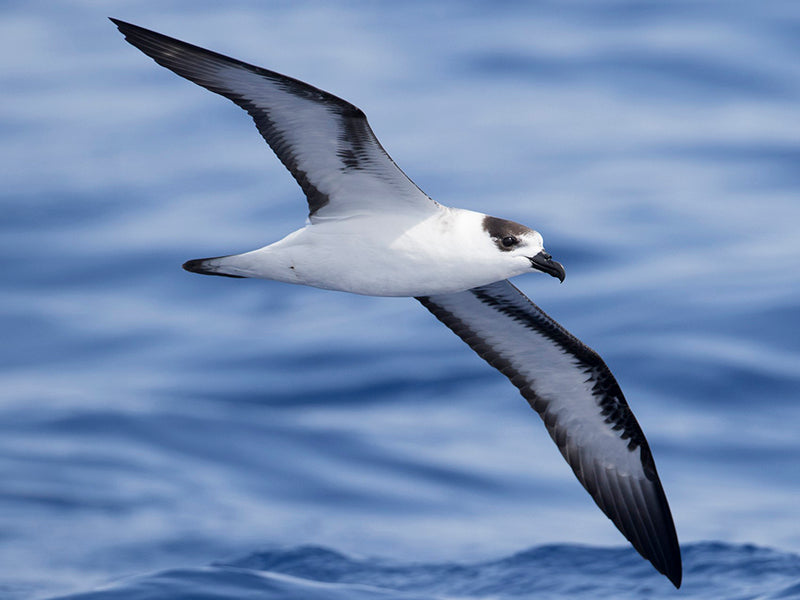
(372, 231)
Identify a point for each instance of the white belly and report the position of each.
(378, 258)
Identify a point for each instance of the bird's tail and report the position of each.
(218, 265)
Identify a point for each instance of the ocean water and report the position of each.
(166, 435)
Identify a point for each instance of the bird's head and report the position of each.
(518, 242)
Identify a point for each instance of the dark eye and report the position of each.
(509, 241)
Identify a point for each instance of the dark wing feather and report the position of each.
(324, 141)
(581, 405)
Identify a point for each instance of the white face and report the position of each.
(466, 249)
(522, 245)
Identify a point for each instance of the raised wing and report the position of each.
(324, 141)
(581, 405)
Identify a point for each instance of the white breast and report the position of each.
(386, 255)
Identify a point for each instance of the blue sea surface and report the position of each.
(165, 435)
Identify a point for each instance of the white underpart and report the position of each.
(387, 254)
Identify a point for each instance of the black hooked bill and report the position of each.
(545, 263)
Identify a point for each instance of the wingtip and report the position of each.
(123, 27)
(673, 561)
(667, 556)
(670, 566)
(127, 28)
(676, 578)
(675, 573)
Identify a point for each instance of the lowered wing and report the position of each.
(581, 405)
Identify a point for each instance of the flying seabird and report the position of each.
(372, 231)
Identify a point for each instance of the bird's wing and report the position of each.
(581, 405)
(324, 141)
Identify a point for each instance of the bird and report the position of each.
(372, 231)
